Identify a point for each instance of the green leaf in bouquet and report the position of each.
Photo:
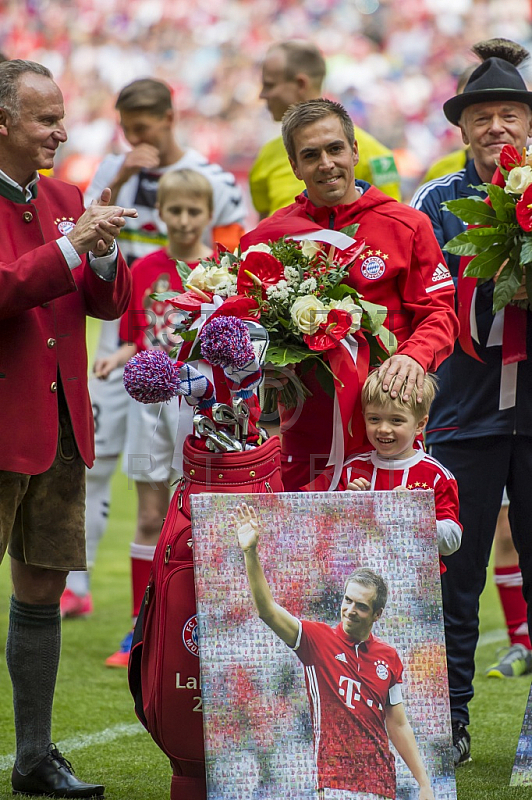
(325, 377)
(161, 297)
(526, 250)
(388, 341)
(472, 210)
(502, 205)
(188, 336)
(461, 245)
(486, 264)
(374, 315)
(283, 354)
(377, 353)
(340, 291)
(183, 270)
(474, 241)
(507, 283)
(350, 230)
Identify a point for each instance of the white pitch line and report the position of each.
(492, 637)
(80, 742)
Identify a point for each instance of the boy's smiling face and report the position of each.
(391, 429)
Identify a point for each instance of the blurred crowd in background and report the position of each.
(392, 63)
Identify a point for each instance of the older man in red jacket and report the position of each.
(58, 263)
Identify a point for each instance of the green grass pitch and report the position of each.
(93, 713)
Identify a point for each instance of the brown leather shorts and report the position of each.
(42, 517)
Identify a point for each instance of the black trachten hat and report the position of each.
(495, 79)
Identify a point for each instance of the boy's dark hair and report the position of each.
(153, 97)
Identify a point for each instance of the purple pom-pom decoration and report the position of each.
(151, 377)
(225, 342)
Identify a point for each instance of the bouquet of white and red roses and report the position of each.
(499, 234)
(296, 289)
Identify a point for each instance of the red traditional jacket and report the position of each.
(43, 305)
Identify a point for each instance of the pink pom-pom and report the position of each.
(225, 342)
(152, 377)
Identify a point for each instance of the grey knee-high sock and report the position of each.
(32, 655)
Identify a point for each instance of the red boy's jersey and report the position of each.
(348, 687)
(149, 323)
(420, 471)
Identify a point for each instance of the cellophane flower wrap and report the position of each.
(499, 237)
(296, 290)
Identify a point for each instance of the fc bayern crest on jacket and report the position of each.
(374, 265)
(64, 225)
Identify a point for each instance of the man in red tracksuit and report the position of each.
(58, 263)
(402, 267)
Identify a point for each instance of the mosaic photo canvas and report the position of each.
(267, 722)
(522, 769)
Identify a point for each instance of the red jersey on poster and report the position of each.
(349, 685)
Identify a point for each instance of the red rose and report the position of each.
(266, 269)
(330, 332)
(510, 157)
(523, 210)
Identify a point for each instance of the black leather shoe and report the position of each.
(53, 777)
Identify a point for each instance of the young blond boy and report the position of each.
(398, 460)
(185, 203)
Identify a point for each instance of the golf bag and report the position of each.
(164, 675)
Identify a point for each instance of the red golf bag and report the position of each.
(164, 662)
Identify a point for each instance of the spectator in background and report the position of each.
(148, 120)
(59, 263)
(480, 425)
(293, 72)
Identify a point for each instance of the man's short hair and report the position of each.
(302, 57)
(300, 115)
(10, 74)
(374, 394)
(371, 580)
(185, 180)
(153, 97)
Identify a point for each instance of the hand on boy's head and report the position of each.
(397, 370)
(359, 485)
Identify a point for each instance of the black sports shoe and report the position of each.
(461, 744)
(53, 777)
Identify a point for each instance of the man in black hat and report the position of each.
(480, 425)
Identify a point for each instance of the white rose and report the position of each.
(225, 261)
(346, 304)
(308, 313)
(310, 248)
(197, 278)
(257, 248)
(519, 179)
(216, 277)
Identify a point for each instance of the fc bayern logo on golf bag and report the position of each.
(372, 268)
(190, 635)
